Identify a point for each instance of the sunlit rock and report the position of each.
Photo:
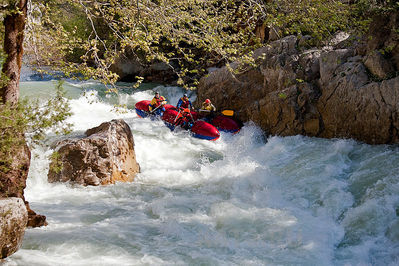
(346, 89)
(105, 156)
(13, 220)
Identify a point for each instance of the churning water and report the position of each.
(242, 200)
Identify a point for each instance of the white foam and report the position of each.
(239, 200)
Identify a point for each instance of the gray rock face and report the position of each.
(379, 66)
(128, 66)
(13, 220)
(325, 92)
(106, 155)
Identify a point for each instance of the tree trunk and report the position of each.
(13, 182)
(14, 25)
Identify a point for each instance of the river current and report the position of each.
(245, 199)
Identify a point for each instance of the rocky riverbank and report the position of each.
(349, 89)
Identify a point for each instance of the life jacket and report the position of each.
(156, 102)
(209, 107)
(184, 116)
(185, 104)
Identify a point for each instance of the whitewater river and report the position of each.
(242, 200)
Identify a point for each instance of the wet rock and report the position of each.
(105, 156)
(13, 220)
(34, 219)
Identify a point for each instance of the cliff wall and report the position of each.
(348, 89)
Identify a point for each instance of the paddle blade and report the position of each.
(228, 112)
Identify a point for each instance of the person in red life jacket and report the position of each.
(184, 102)
(185, 119)
(156, 105)
(208, 110)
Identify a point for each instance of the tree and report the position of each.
(14, 25)
(189, 35)
(18, 118)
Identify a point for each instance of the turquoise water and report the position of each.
(242, 200)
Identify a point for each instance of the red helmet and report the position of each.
(207, 101)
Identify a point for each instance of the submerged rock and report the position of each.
(13, 220)
(106, 155)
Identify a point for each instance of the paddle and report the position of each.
(176, 117)
(224, 112)
(228, 112)
(151, 112)
(192, 118)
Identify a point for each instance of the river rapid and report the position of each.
(244, 199)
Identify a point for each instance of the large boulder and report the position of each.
(13, 220)
(128, 66)
(352, 105)
(106, 155)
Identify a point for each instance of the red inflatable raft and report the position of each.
(172, 118)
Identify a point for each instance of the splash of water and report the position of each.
(242, 200)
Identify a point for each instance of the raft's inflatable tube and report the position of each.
(169, 116)
(200, 129)
(204, 130)
(226, 124)
(142, 108)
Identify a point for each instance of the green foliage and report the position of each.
(363, 11)
(32, 119)
(12, 123)
(50, 115)
(56, 162)
(318, 18)
(372, 7)
(282, 95)
(87, 37)
(189, 36)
